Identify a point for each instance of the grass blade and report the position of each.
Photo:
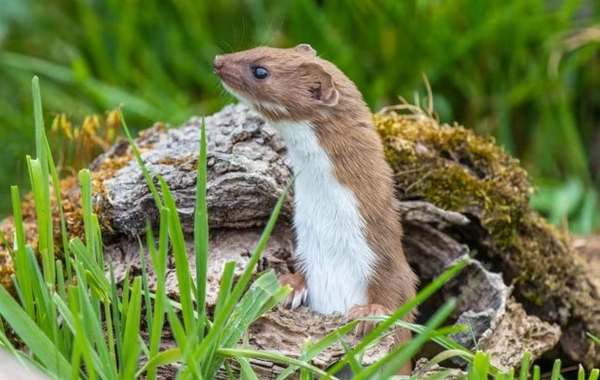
(395, 318)
(182, 269)
(402, 354)
(131, 332)
(21, 271)
(201, 233)
(208, 346)
(35, 339)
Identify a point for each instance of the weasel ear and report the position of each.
(322, 87)
(306, 49)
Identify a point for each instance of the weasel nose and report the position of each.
(217, 64)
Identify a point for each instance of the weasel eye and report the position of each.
(260, 72)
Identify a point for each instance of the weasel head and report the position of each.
(286, 84)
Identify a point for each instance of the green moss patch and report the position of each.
(457, 170)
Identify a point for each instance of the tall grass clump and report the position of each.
(74, 321)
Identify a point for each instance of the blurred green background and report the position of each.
(524, 71)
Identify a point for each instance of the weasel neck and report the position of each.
(332, 247)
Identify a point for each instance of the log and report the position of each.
(502, 299)
(248, 169)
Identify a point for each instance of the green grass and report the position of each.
(522, 71)
(90, 328)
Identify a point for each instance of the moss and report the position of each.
(71, 202)
(6, 270)
(103, 170)
(457, 170)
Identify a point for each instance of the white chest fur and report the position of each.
(332, 248)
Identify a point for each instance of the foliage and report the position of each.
(522, 71)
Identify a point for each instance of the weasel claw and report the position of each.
(299, 292)
(360, 311)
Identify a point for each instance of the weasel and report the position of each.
(349, 236)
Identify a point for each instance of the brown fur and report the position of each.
(315, 90)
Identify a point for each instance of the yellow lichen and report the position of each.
(187, 163)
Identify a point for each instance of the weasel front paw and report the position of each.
(360, 311)
(299, 290)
